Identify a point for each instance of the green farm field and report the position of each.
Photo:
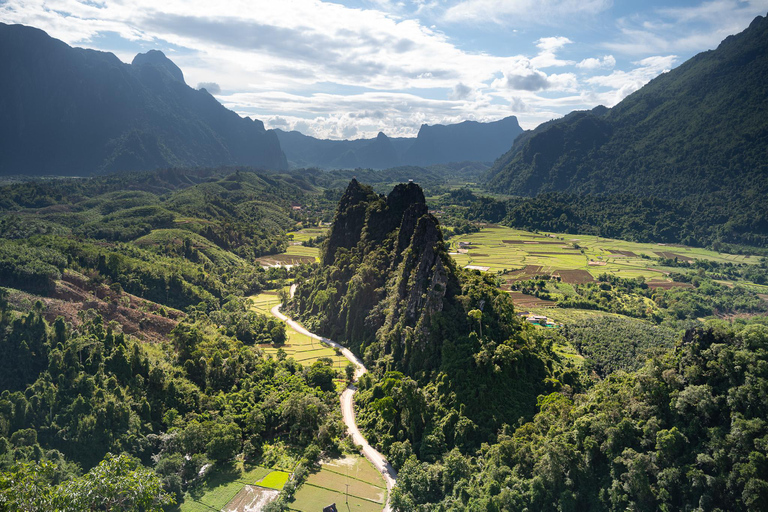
(303, 349)
(221, 486)
(367, 491)
(305, 234)
(499, 249)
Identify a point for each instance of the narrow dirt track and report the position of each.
(347, 404)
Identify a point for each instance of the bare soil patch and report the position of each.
(623, 253)
(530, 301)
(574, 276)
(73, 294)
(673, 256)
(251, 499)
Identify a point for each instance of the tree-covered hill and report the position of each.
(694, 140)
(454, 362)
(74, 112)
(700, 128)
(131, 359)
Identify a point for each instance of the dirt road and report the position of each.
(347, 405)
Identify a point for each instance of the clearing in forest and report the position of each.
(349, 481)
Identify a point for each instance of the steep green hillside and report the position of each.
(456, 362)
(695, 137)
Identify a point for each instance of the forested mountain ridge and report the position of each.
(456, 362)
(70, 111)
(701, 128)
(436, 144)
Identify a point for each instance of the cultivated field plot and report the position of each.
(302, 348)
(221, 486)
(303, 235)
(520, 252)
(529, 301)
(351, 474)
(667, 285)
(251, 499)
(574, 276)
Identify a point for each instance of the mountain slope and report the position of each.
(438, 144)
(700, 128)
(70, 111)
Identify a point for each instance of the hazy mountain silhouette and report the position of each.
(71, 111)
(438, 144)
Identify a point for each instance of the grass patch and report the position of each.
(274, 480)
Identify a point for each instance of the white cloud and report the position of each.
(335, 71)
(548, 47)
(624, 83)
(606, 61)
(521, 12)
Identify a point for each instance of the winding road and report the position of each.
(347, 403)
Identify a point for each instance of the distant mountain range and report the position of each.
(438, 144)
(701, 128)
(70, 111)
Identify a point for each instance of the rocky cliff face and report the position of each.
(389, 277)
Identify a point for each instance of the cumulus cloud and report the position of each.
(548, 47)
(211, 87)
(334, 71)
(606, 61)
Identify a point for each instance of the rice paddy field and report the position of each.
(351, 482)
(576, 258)
(303, 349)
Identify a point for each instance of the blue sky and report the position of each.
(349, 69)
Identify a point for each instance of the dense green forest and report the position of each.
(129, 352)
(455, 363)
(487, 416)
(685, 432)
(92, 267)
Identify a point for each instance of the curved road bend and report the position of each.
(347, 404)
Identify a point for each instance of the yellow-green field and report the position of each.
(302, 348)
(352, 474)
(305, 234)
(221, 486)
(500, 248)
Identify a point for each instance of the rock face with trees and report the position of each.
(445, 342)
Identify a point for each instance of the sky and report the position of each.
(348, 69)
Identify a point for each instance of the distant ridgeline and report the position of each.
(389, 290)
(695, 137)
(70, 111)
(469, 141)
